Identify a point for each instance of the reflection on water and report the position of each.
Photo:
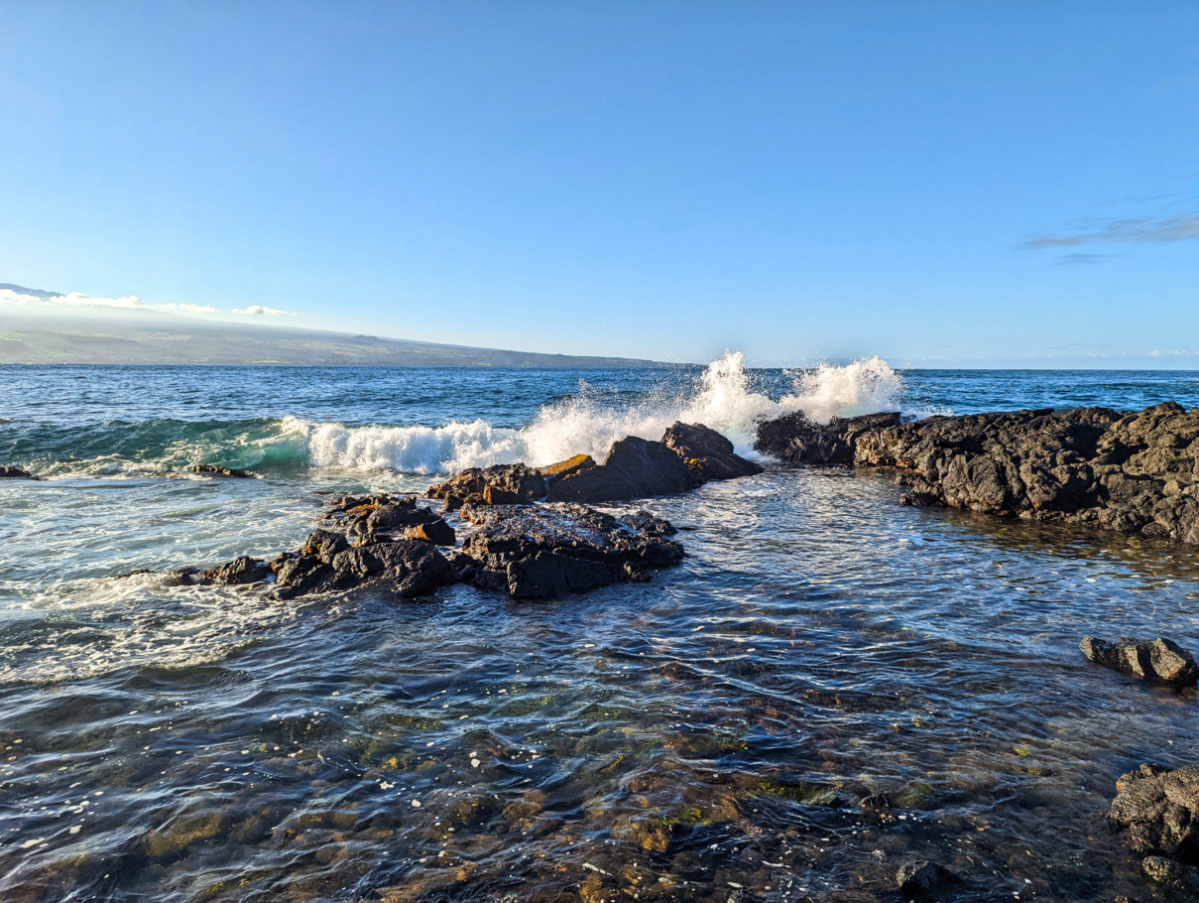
(830, 685)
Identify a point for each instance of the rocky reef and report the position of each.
(1135, 472)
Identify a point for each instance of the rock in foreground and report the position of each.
(541, 551)
(390, 543)
(1159, 661)
(1158, 811)
(794, 439)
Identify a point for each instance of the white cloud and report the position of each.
(187, 308)
(78, 299)
(1178, 352)
(257, 310)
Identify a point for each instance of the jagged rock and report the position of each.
(374, 518)
(214, 470)
(15, 473)
(437, 532)
(922, 877)
(237, 572)
(1135, 472)
(541, 551)
(501, 484)
(707, 452)
(407, 567)
(794, 439)
(1159, 661)
(634, 468)
(1158, 811)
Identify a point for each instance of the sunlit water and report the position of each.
(830, 684)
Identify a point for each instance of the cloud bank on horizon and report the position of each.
(49, 300)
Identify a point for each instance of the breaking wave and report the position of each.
(726, 397)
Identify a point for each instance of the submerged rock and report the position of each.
(541, 551)
(921, 877)
(237, 572)
(1157, 810)
(1158, 661)
(8, 472)
(215, 470)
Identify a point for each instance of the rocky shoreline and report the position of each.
(1136, 472)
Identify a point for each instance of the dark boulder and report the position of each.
(707, 452)
(542, 551)
(1159, 661)
(406, 567)
(794, 439)
(501, 484)
(922, 877)
(375, 518)
(1158, 811)
(8, 472)
(634, 468)
(215, 470)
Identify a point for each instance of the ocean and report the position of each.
(829, 686)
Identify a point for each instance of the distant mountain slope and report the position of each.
(31, 334)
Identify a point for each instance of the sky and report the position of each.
(939, 183)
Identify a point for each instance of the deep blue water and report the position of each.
(708, 736)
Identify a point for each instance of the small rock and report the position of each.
(15, 473)
(437, 532)
(237, 572)
(707, 452)
(1171, 874)
(1159, 661)
(921, 877)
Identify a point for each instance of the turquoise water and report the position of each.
(710, 735)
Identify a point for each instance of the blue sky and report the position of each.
(937, 183)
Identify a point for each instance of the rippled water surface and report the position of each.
(830, 685)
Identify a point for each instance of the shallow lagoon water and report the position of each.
(831, 684)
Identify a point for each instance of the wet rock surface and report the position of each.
(1159, 661)
(707, 452)
(215, 470)
(8, 472)
(1157, 811)
(542, 551)
(794, 439)
(1135, 472)
(532, 551)
(688, 456)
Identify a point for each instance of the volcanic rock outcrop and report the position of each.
(688, 456)
(1136, 472)
(14, 473)
(540, 551)
(389, 543)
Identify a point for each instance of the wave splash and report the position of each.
(726, 397)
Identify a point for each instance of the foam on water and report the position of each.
(723, 398)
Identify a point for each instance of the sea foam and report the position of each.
(723, 398)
